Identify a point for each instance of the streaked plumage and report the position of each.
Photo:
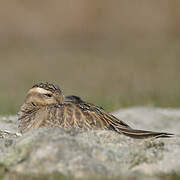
(78, 100)
(45, 105)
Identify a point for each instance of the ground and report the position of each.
(54, 153)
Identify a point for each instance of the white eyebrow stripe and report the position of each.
(39, 90)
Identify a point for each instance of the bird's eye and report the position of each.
(48, 95)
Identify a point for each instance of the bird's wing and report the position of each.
(89, 116)
(95, 112)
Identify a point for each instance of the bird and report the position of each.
(78, 100)
(46, 106)
(73, 98)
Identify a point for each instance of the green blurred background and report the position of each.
(113, 53)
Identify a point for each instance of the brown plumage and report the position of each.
(45, 105)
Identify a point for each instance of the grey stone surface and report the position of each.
(94, 153)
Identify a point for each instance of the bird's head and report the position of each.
(43, 94)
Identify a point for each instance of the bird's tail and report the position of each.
(122, 128)
(141, 134)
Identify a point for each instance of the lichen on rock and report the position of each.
(94, 153)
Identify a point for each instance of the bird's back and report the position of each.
(82, 116)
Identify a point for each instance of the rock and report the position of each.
(94, 153)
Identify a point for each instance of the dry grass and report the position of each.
(112, 75)
(114, 53)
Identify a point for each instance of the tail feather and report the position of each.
(141, 134)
